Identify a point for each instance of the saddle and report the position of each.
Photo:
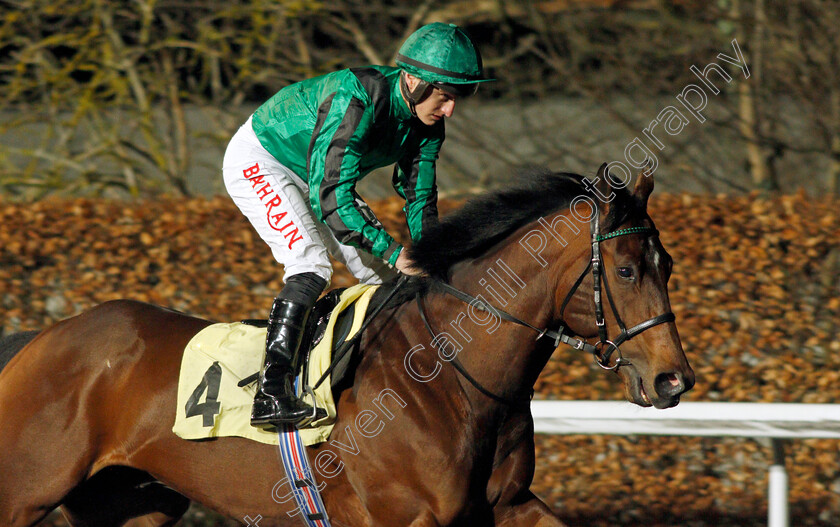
(220, 364)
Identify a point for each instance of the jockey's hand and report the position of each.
(405, 265)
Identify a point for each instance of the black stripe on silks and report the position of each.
(332, 176)
(391, 248)
(379, 90)
(429, 216)
(411, 179)
(323, 112)
(430, 213)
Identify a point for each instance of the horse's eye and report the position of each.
(625, 272)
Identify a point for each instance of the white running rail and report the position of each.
(777, 421)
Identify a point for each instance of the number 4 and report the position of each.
(210, 382)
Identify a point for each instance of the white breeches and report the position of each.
(275, 201)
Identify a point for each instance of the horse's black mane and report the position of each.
(488, 219)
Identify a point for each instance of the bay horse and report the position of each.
(87, 406)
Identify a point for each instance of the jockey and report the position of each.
(293, 166)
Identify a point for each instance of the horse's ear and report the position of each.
(604, 189)
(644, 186)
(603, 184)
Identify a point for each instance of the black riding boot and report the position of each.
(276, 402)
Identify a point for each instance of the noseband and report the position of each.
(602, 351)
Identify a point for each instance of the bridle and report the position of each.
(602, 351)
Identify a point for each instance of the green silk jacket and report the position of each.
(333, 130)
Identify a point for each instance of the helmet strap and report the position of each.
(414, 96)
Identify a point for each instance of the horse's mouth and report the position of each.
(638, 394)
(644, 394)
(659, 402)
(636, 390)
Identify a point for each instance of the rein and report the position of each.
(522, 400)
(601, 351)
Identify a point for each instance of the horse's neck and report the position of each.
(504, 356)
(500, 354)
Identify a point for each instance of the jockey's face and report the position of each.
(437, 105)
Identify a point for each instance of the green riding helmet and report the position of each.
(441, 55)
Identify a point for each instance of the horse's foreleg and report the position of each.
(530, 512)
(509, 488)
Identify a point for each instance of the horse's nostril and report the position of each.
(669, 384)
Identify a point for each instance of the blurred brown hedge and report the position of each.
(756, 291)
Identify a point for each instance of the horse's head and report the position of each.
(626, 274)
(637, 336)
